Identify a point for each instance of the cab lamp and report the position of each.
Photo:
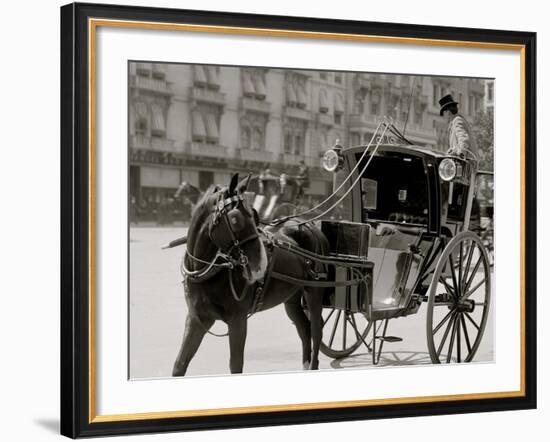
(332, 160)
(448, 169)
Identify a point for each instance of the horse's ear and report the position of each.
(233, 183)
(243, 185)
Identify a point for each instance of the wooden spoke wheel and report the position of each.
(459, 298)
(343, 332)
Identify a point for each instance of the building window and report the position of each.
(288, 142)
(490, 91)
(254, 83)
(212, 132)
(141, 126)
(245, 137)
(212, 77)
(338, 78)
(418, 118)
(158, 127)
(338, 108)
(323, 75)
(296, 95)
(302, 96)
(141, 118)
(259, 86)
(253, 130)
(294, 136)
(205, 121)
(323, 101)
(257, 139)
(199, 76)
(159, 71)
(143, 69)
(375, 103)
(291, 97)
(374, 108)
(198, 126)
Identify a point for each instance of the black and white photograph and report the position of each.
(293, 219)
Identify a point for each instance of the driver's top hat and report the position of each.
(445, 102)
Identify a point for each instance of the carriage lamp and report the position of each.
(447, 169)
(332, 160)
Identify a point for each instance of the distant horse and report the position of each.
(189, 191)
(226, 262)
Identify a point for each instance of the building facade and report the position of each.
(200, 123)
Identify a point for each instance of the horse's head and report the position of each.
(234, 231)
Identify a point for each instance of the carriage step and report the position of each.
(389, 338)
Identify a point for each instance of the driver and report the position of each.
(461, 143)
(461, 139)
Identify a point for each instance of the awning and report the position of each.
(143, 67)
(157, 123)
(338, 104)
(199, 130)
(212, 76)
(291, 94)
(200, 76)
(211, 127)
(259, 87)
(159, 68)
(323, 101)
(248, 86)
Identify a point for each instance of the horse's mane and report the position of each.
(204, 202)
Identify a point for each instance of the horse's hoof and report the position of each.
(314, 366)
(305, 365)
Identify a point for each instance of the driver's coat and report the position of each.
(461, 138)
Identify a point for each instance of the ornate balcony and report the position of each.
(300, 114)
(151, 84)
(156, 143)
(207, 150)
(256, 155)
(255, 105)
(209, 95)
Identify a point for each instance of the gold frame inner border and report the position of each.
(93, 24)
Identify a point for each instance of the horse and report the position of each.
(227, 267)
(187, 190)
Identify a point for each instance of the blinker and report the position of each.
(236, 219)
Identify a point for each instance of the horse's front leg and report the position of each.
(314, 302)
(237, 338)
(195, 329)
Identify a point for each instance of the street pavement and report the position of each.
(158, 310)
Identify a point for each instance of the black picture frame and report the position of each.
(76, 402)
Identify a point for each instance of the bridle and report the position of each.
(227, 214)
